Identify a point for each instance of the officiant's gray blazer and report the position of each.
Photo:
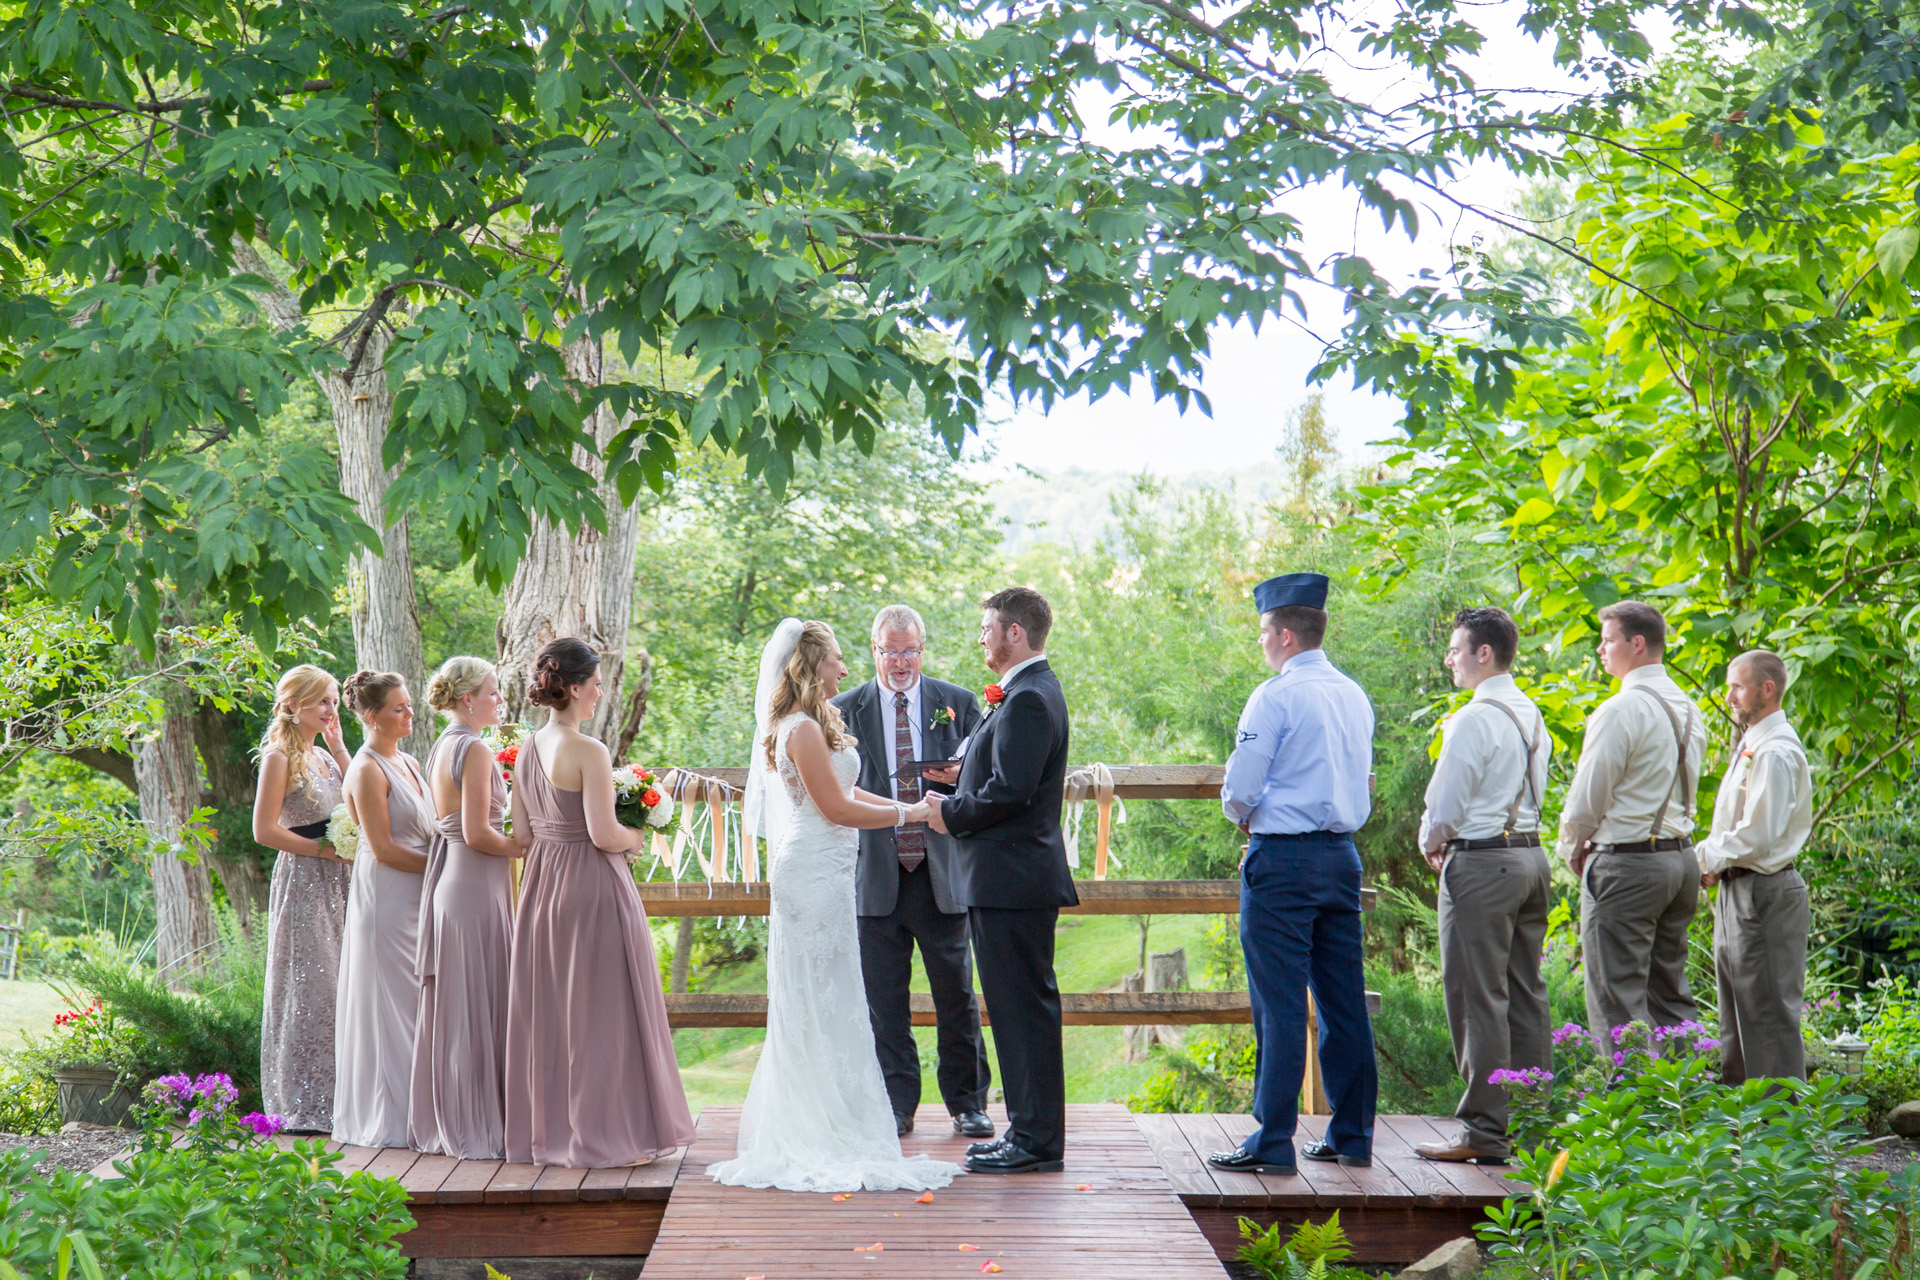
(868, 711)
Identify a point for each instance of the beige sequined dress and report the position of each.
(306, 914)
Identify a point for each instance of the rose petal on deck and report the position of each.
(1083, 1187)
(991, 1268)
(875, 1247)
(844, 1195)
(925, 1198)
(969, 1248)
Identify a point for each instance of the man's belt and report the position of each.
(1734, 873)
(1518, 840)
(1669, 845)
(1299, 835)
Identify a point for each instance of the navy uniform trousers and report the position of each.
(1300, 929)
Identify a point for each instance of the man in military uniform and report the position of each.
(1627, 831)
(1762, 817)
(1297, 784)
(1481, 833)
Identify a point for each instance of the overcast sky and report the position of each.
(1253, 380)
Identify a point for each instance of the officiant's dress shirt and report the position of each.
(1483, 766)
(887, 713)
(1626, 766)
(1763, 813)
(1304, 749)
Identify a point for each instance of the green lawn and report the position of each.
(1093, 953)
(26, 1006)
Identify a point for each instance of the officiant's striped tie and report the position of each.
(910, 840)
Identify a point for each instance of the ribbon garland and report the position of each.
(1094, 782)
(712, 834)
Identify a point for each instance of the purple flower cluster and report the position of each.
(208, 1095)
(263, 1123)
(1568, 1034)
(1526, 1078)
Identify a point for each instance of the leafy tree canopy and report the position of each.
(810, 198)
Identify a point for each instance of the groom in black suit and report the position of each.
(903, 883)
(1013, 875)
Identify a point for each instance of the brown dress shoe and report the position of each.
(1455, 1153)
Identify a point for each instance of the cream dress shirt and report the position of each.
(1764, 811)
(1626, 766)
(1483, 765)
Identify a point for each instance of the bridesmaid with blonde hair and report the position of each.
(307, 903)
(591, 1077)
(466, 928)
(379, 998)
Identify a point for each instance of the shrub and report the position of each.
(1666, 1172)
(1312, 1252)
(1212, 1072)
(224, 1204)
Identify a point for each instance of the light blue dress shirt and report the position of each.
(1304, 750)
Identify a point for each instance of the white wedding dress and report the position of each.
(817, 1116)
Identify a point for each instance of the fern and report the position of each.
(1306, 1254)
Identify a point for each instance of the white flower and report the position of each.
(343, 833)
(661, 814)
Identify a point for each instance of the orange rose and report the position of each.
(994, 695)
(651, 798)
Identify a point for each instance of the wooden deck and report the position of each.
(1137, 1197)
(1110, 1214)
(1395, 1212)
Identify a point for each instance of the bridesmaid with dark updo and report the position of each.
(379, 992)
(591, 1077)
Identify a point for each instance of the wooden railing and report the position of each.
(1097, 898)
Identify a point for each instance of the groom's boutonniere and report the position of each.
(940, 716)
(993, 695)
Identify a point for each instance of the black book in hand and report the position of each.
(913, 768)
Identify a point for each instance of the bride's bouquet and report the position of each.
(637, 802)
(343, 833)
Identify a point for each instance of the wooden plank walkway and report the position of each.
(1150, 1202)
(1110, 1214)
(1394, 1213)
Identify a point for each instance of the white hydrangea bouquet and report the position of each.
(343, 833)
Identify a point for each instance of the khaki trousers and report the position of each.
(1760, 961)
(1493, 924)
(1634, 913)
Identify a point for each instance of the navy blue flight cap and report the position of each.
(1299, 589)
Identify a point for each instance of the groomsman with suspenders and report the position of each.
(1481, 833)
(1762, 817)
(1626, 830)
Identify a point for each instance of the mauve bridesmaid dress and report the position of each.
(379, 992)
(466, 931)
(591, 1078)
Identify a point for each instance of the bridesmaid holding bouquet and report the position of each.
(379, 992)
(591, 1077)
(466, 929)
(298, 791)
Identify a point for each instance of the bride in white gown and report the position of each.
(817, 1116)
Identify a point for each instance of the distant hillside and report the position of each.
(1075, 507)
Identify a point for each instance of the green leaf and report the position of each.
(1532, 511)
(1895, 249)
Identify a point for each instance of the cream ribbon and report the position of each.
(690, 790)
(1094, 782)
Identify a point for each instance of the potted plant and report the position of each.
(93, 1060)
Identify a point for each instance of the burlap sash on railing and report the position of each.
(1094, 782)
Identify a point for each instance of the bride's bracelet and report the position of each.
(899, 814)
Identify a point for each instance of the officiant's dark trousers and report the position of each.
(1300, 930)
(886, 962)
(1014, 950)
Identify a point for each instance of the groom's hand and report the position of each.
(935, 818)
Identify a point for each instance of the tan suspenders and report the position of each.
(1680, 762)
(1526, 782)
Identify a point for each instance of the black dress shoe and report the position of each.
(1012, 1159)
(982, 1148)
(973, 1124)
(1327, 1155)
(1240, 1160)
(903, 1125)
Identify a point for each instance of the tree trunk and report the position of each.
(169, 782)
(641, 680)
(578, 584)
(386, 614)
(230, 786)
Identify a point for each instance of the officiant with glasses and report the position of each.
(904, 881)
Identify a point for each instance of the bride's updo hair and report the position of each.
(800, 689)
(559, 667)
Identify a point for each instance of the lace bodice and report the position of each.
(846, 767)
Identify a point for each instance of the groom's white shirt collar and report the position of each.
(1006, 678)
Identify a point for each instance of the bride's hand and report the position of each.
(917, 812)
